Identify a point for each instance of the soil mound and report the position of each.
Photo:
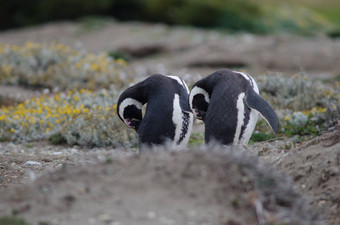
(186, 187)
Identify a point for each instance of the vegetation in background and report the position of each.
(75, 117)
(92, 23)
(10, 220)
(235, 15)
(304, 106)
(196, 139)
(86, 117)
(17, 13)
(258, 137)
(59, 67)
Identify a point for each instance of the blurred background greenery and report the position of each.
(264, 16)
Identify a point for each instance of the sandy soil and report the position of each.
(47, 184)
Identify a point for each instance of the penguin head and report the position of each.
(199, 106)
(199, 102)
(130, 112)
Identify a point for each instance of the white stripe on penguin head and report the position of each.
(125, 103)
(180, 81)
(250, 79)
(195, 91)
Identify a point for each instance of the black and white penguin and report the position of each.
(228, 102)
(167, 119)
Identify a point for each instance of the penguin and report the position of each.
(168, 118)
(228, 102)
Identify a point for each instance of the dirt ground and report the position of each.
(50, 185)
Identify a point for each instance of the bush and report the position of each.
(233, 15)
(77, 117)
(18, 13)
(304, 106)
(59, 67)
(11, 220)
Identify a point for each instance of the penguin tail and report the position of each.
(255, 101)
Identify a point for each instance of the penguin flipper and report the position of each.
(255, 101)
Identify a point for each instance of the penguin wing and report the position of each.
(258, 103)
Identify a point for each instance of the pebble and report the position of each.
(321, 203)
(105, 218)
(59, 165)
(57, 153)
(166, 221)
(32, 163)
(92, 221)
(151, 215)
(115, 223)
(192, 213)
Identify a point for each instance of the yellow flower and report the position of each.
(287, 118)
(76, 97)
(330, 93)
(120, 62)
(322, 110)
(94, 66)
(6, 69)
(86, 110)
(76, 111)
(11, 130)
(57, 97)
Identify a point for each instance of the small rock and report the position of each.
(32, 163)
(59, 165)
(151, 214)
(166, 221)
(57, 153)
(74, 151)
(192, 213)
(105, 218)
(115, 223)
(321, 203)
(92, 221)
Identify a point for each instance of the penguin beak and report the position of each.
(199, 114)
(198, 117)
(131, 123)
(128, 123)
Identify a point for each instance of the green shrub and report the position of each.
(233, 15)
(60, 67)
(57, 138)
(304, 106)
(18, 13)
(10, 220)
(77, 117)
(257, 137)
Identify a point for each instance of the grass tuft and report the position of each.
(10, 220)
